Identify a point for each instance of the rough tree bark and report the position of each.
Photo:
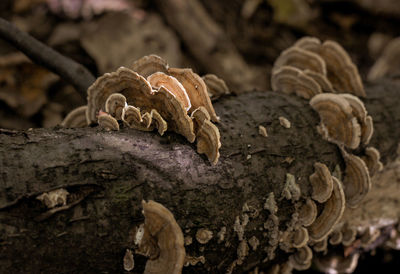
(109, 173)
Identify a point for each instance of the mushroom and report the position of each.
(301, 260)
(158, 122)
(308, 43)
(321, 246)
(57, 197)
(357, 182)
(388, 61)
(115, 104)
(146, 122)
(301, 59)
(321, 182)
(321, 79)
(291, 190)
(372, 160)
(161, 230)
(307, 212)
(299, 237)
(336, 237)
(196, 90)
(360, 113)
(216, 87)
(203, 235)
(348, 235)
(289, 80)
(159, 79)
(331, 213)
(338, 125)
(76, 118)
(150, 64)
(106, 121)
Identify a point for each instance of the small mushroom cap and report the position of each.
(161, 225)
(336, 237)
(349, 235)
(357, 182)
(115, 104)
(308, 212)
(367, 130)
(321, 246)
(331, 213)
(76, 118)
(309, 43)
(159, 79)
(300, 237)
(337, 119)
(216, 87)
(208, 141)
(321, 79)
(372, 160)
(159, 122)
(150, 64)
(321, 182)
(131, 116)
(301, 59)
(196, 90)
(290, 80)
(199, 116)
(301, 260)
(107, 122)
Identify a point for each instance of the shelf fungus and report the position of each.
(301, 59)
(216, 87)
(321, 182)
(161, 240)
(290, 80)
(321, 246)
(54, 198)
(341, 71)
(299, 237)
(330, 215)
(308, 212)
(349, 235)
(146, 122)
(357, 182)
(76, 118)
(301, 260)
(336, 237)
(115, 103)
(338, 124)
(291, 190)
(372, 160)
(321, 79)
(106, 121)
(150, 64)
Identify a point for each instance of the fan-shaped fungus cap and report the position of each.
(106, 121)
(158, 121)
(208, 141)
(336, 237)
(203, 235)
(159, 79)
(308, 43)
(321, 246)
(196, 89)
(150, 64)
(160, 224)
(132, 117)
(301, 260)
(321, 79)
(372, 160)
(291, 190)
(337, 121)
(360, 113)
(216, 87)
(115, 104)
(292, 80)
(308, 212)
(357, 182)
(387, 62)
(349, 235)
(299, 237)
(342, 72)
(321, 182)
(331, 213)
(301, 59)
(76, 118)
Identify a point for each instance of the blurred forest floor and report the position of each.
(105, 34)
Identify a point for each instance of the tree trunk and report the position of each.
(108, 174)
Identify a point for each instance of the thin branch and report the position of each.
(39, 53)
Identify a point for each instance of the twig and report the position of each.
(66, 68)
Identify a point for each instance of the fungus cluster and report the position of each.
(150, 95)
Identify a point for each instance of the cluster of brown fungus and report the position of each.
(323, 73)
(150, 95)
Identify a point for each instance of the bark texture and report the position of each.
(108, 174)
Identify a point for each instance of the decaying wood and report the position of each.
(108, 174)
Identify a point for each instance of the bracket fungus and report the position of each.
(150, 64)
(300, 237)
(291, 190)
(331, 213)
(115, 103)
(335, 238)
(76, 118)
(106, 121)
(349, 235)
(338, 125)
(162, 231)
(321, 80)
(357, 182)
(51, 199)
(321, 182)
(372, 160)
(216, 87)
(308, 212)
(301, 260)
(289, 80)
